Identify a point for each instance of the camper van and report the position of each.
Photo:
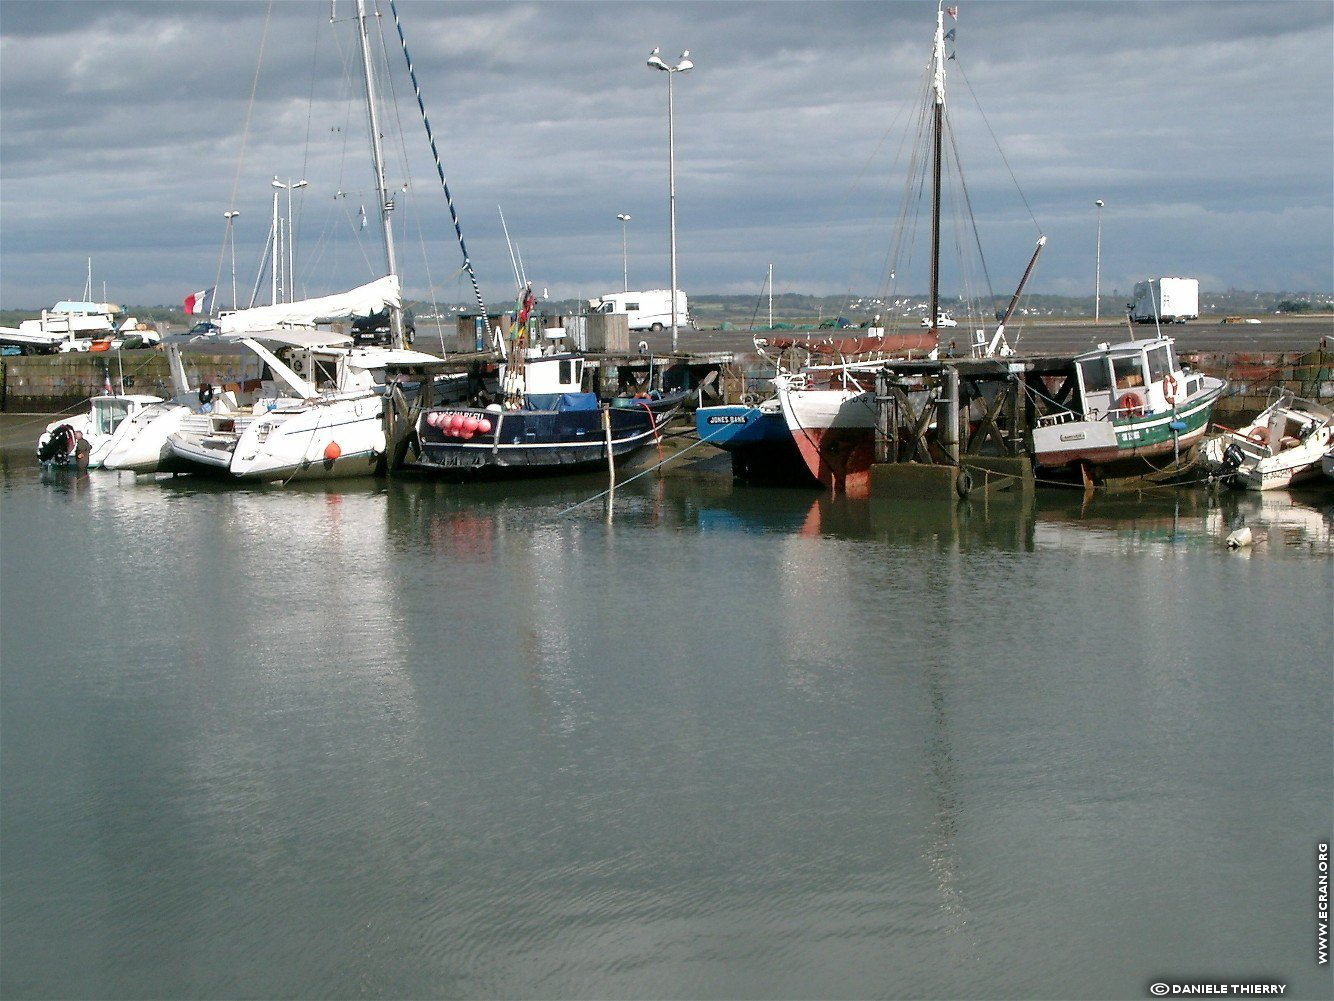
(650, 310)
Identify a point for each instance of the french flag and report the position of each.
(200, 303)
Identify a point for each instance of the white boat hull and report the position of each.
(140, 443)
(326, 440)
(1284, 446)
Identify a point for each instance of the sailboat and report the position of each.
(829, 408)
(319, 412)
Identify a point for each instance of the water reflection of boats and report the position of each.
(1119, 522)
(1275, 518)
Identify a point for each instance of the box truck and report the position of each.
(1168, 300)
(649, 310)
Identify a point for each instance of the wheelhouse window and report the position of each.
(326, 372)
(1160, 363)
(1093, 374)
(1128, 371)
(566, 372)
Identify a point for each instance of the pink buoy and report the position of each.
(470, 425)
(484, 426)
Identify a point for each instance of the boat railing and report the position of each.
(1060, 417)
(232, 423)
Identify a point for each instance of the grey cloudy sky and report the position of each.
(1206, 127)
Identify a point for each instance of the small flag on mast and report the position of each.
(200, 303)
(952, 12)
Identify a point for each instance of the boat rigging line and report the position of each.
(435, 153)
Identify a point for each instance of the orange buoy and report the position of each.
(332, 451)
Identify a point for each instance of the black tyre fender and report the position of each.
(963, 484)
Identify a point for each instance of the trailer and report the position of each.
(1165, 300)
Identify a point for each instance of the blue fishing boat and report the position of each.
(547, 423)
(555, 428)
(757, 438)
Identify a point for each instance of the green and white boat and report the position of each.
(1127, 410)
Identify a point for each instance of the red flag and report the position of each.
(952, 12)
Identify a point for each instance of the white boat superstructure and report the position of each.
(1286, 444)
(105, 415)
(318, 412)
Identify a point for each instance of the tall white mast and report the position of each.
(377, 162)
(938, 85)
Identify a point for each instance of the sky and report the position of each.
(128, 129)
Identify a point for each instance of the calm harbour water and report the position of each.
(398, 739)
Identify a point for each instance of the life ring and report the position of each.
(205, 393)
(1260, 436)
(1131, 403)
(1170, 387)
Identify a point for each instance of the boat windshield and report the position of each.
(107, 415)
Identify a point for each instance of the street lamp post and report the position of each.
(231, 236)
(655, 61)
(290, 278)
(1097, 267)
(625, 261)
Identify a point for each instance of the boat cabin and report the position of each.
(107, 412)
(554, 374)
(1131, 379)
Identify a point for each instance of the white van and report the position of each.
(648, 310)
